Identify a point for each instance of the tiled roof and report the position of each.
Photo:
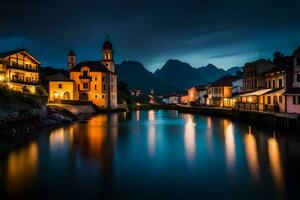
(275, 69)
(94, 66)
(224, 81)
(8, 53)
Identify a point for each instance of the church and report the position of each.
(94, 81)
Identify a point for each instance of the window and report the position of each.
(275, 100)
(104, 88)
(280, 83)
(269, 100)
(102, 96)
(85, 73)
(78, 87)
(269, 84)
(103, 78)
(274, 84)
(280, 99)
(95, 87)
(298, 61)
(60, 86)
(266, 84)
(96, 96)
(85, 85)
(296, 100)
(298, 78)
(95, 78)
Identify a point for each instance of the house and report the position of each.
(292, 94)
(253, 77)
(219, 92)
(94, 81)
(196, 94)
(20, 70)
(174, 98)
(184, 99)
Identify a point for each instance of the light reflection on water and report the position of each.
(103, 154)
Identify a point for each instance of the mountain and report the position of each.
(178, 74)
(182, 75)
(138, 77)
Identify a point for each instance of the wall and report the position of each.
(291, 108)
(67, 86)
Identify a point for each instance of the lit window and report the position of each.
(85, 85)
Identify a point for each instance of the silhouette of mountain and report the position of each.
(182, 75)
(138, 77)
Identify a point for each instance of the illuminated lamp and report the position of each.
(56, 95)
(250, 99)
(2, 78)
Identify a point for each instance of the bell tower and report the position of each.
(107, 55)
(71, 59)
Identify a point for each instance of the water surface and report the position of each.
(152, 155)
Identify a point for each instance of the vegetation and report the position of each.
(124, 95)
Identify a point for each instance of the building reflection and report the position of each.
(229, 146)
(57, 139)
(22, 168)
(151, 133)
(209, 135)
(252, 155)
(137, 113)
(275, 163)
(189, 138)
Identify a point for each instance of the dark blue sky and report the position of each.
(226, 33)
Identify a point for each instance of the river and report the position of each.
(152, 155)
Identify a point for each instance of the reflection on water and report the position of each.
(151, 133)
(209, 135)
(22, 167)
(275, 162)
(101, 155)
(229, 146)
(189, 138)
(252, 155)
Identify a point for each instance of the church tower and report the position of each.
(71, 59)
(107, 55)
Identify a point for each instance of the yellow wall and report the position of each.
(56, 93)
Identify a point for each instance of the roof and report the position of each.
(275, 69)
(224, 81)
(107, 45)
(57, 77)
(256, 93)
(94, 66)
(71, 53)
(274, 90)
(8, 53)
(200, 87)
(292, 91)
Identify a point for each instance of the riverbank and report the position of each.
(255, 118)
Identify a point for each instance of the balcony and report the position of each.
(85, 77)
(24, 68)
(21, 81)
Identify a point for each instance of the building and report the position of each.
(220, 91)
(196, 94)
(292, 94)
(20, 70)
(174, 98)
(94, 81)
(253, 76)
(184, 99)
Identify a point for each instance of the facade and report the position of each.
(253, 74)
(173, 99)
(20, 70)
(292, 94)
(220, 91)
(196, 94)
(184, 99)
(94, 81)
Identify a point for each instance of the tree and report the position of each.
(278, 57)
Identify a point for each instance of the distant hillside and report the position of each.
(138, 77)
(182, 75)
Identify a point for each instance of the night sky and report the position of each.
(226, 33)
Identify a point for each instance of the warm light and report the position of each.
(229, 146)
(151, 133)
(250, 99)
(252, 155)
(2, 78)
(22, 167)
(56, 95)
(275, 162)
(189, 138)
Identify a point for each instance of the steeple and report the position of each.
(107, 55)
(71, 59)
